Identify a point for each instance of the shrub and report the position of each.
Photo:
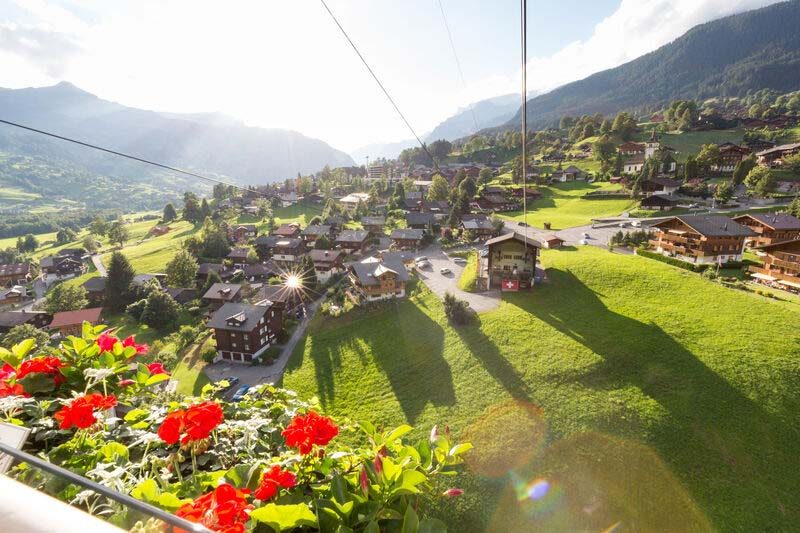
(160, 310)
(670, 260)
(457, 311)
(136, 309)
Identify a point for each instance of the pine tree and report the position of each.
(169, 213)
(118, 285)
(212, 278)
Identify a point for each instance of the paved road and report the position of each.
(441, 283)
(98, 264)
(256, 374)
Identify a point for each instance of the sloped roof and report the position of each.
(407, 233)
(351, 235)
(222, 291)
(247, 316)
(776, 221)
(419, 218)
(70, 318)
(15, 269)
(712, 225)
(530, 241)
(325, 255)
(95, 284)
(317, 229)
(373, 221)
(9, 319)
(369, 273)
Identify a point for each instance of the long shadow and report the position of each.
(725, 447)
(486, 351)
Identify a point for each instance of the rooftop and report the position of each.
(71, 318)
(237, 316)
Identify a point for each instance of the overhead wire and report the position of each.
(458, 62)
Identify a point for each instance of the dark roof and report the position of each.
(776, 221)
(239, 253)
(777, 245)
(405, 257)
(351, 235)
(530, 241)
(248, 227)
(181, 294)
(325, 255)
(286, 229)
(407, 233)
(274, 293)
(713, 226)
(369, 273)
(273, 241)
(666, 182)
(95, 284)
(659, 200)
(237, 317)
(317, 229)
(636, 159)
(70, 318)
(15, 269)
(9, 319)
(373, 221)
(335, 220)
(780, 148)
(205, 268)
(261, 269)
(414, 219)
(222, 291)
(477, 223)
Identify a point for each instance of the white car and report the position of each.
(423, 264)
(445, 271)
(421, 258)
(636, 223)
(460, 261)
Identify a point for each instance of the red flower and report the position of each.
(140, 348)
(195, 423)
(156, 368)
(80, 413)
(6, 371)
(452, 493)
(363, 480)
(272, 480)
(223, 509)
(126, 382)
(106, 342)
(43, 365)
(171, 427)
(306, 431)
(11, 390)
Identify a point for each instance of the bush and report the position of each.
(160, 310)
(671, 260)
(457, 311)
(136, 309)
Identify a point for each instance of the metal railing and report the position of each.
(124, 499)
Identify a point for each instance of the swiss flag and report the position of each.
(510, 285)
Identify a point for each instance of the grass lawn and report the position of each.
(563, 206)
(469, 276)
(689, 143)
(638, 394)
(189, 371)
(152, 254)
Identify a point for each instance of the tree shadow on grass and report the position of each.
(728, 450)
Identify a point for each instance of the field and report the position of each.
(561, 205)
(621, 393)
(151, 254)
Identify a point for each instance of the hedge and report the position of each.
(671, 260)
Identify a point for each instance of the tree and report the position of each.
(709, 156)
(454, 218)
(307, 272)
(685, 122)
(724, 192)
(743, 168)
(440, 149)
(89, 244)
(191, 208)
(588, 131)
(212, 278)
(794, 207)
(468, 187)
(65, 297)
(322, 243)
(793, 163)
(169, 213)
(65, 235)
(99, 226)
(456, 310)
(21, 332)
(760, 181)
(27, 244)
(214, 241)
(118, 233)
(485, 175)
(439, 189)
(181, 270)
(160, 310)
(604, 149)
(497, 223)
(118, 284)
(691, 169)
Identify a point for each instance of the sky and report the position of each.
(284, 63)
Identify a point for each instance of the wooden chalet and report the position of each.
(221, 293)
(508, 262)
(238, 256)
(781, 264)
(759, 144)
(496, 202)
(422, 220)
(261, 272)
(287, 230)
(571, 173)
(327, 263)
(373, 224)
(658, 202)
(313, 232)
(663, 186)
(379, 280)
(279, 296)
(700, 239)
(550, 241)
(283, 250)
(16, 294)
(353, 241)
(243, 332)
(242, 232)
(413, 200)
(182, 295)
(731, 154)
(62, 265)
(774, 156)
(15, 273)
(530, 193)
(406, 238)
(204, 269)
(482, 227)
(71, 322)
(631, 148)
(770, 228)
(10, 319)
(95, 290)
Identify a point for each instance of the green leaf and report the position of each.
(134, 415)
(339, 489)
(367, 428)
(156, 378)
(424, 449)
(410, 521)
(458, 449)
(390, 470)
(23, 348)
(398, 432)
(87, 331)
(372, 527)
(36, 383)
(113, 450)
(170, 502)
(283, 517)
(147, 491)
(432, 525)
(409, 479)
(8, 357)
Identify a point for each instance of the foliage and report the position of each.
(322, 243)
(160, 310)
(169, 213)
(118, 233)
(181, 270)
(65, 297)
(760, 181)
(439, 189)
(469, 276)
(743, 168)
(671, 260)
(457, 311)
(270, 459)
(118, 292)
(724, 192)
(136, 308)
(19, 333)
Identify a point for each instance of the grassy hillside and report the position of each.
(563, 206)
(635, 393)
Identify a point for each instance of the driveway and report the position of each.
(256, 374)
(98, 264)
(441, 283)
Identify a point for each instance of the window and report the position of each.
(233, 345)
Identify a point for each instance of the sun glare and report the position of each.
(293, 281)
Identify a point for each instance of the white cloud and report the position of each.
(634, 29)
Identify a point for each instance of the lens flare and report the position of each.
(293, 281)
(537, 489)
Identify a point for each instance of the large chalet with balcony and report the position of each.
(327, 263)
(730, 155)
(315, 231)
(379, 280)
(406, 238)
(781, 264)
(284, 251)
(700, 239)
(508, 262)
(243, 332)
(15, 274)
(770, 228)
(221, 293)
(353, 241)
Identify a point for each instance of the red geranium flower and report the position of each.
(140, 348)
(156, 368)
(106, 342)
(223, 509)
(195, 423)
(11, 390)
(6, 371)
(306, 431)
(272, 480)
(80, 413)
(44, 365)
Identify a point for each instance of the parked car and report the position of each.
(232, 382)
(445, 271)
(423, 264)
(525, 224)
(421, 258)
(460, 261)
(240, 393)
(636, 224)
